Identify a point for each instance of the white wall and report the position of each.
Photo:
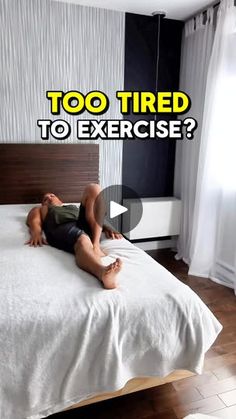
(54, 46)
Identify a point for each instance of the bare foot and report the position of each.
(109, 273)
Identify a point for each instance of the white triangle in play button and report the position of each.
(116, 209)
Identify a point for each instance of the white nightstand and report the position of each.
(161, 217)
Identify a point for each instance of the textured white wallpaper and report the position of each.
(48, 45)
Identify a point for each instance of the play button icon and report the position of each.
(108, 208)
(116, 209)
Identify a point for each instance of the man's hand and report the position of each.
(112, 234)
(36, 240)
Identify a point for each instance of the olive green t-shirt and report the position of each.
(64, 213)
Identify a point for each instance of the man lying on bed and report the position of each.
(74, 230)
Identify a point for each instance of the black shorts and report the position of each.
(64, 236)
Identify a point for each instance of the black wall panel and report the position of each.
(148, 165)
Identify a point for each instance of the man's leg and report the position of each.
(90, 262)
(90, 195)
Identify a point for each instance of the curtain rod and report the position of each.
(205, 10)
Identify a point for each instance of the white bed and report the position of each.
(63, 338)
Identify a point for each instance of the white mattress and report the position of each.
(63, 338)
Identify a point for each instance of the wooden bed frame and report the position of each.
(30, 170)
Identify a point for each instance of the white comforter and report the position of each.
(64, 338)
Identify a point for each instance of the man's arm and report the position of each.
(34, 221)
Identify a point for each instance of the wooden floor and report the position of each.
(212, 393)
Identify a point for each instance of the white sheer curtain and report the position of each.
(213, 244)
(196, 50)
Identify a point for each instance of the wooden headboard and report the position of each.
(27, 171)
